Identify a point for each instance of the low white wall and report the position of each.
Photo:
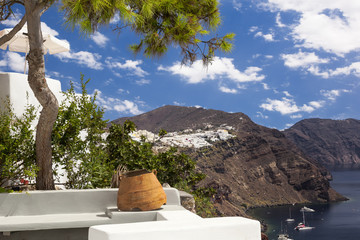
(16, 87)
(229, 228)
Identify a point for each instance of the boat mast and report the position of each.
(304, 218)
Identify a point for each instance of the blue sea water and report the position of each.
(335, 221)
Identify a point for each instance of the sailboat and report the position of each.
(306, 209)
(290, 219)
(301, 226)
(283, 235)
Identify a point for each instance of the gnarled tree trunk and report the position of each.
(37, 82)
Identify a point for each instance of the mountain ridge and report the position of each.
(257, 167)
(329, 142)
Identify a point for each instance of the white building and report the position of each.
(15, 86)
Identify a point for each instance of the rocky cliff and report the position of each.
(329, 142)
(257, 166)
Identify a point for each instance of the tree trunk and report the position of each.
(48, 101)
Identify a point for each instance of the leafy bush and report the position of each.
(17, 144)
(172, 167)
(78, 143)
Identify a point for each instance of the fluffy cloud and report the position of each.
(302, 59)
(219, 68)
(227, 90)
(285, 106)
(333, 94)
(329, 25)
(118, 105)
(353, 68)
(14, 61)
(130, 65)
(267, 37)
(88, 59)
(100, 39)
(142, 82)
(15, 19)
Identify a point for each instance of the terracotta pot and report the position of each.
(140, 190)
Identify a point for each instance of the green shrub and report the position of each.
(78, 145)
(17, 144)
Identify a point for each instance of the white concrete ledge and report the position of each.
(229, 228)
(40, 210)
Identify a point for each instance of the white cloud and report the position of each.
(261, 115)
(333, 94)
(100, 39)
(118, 105)
(287, 94)
(115, 19)
(227, 90)
(122, 91)
(219, 68)
(88, 59)
(330, 25)
(353, 68)
(285, 106)
(253, 29)
(13, 19)
(266, 86)
(317, 104)
(237, 5)
(14, 61)
(130, 65)
(178, 103)
(267, 37)
(296, 116)
(278, 21)
(302, 59)
(3, 63)
(58, 75)
(142, 82)
(315, 70)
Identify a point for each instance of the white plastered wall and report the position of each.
(16, 87)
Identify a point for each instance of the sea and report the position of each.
(334, 221)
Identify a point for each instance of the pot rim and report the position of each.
(135, 173)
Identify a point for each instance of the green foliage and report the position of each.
(4, 190)
(172, 167)
(160, 23)
(17, 145)
(77, 140)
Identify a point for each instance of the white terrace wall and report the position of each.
(16, 87)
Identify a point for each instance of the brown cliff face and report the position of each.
(259, 167)
(329, 142)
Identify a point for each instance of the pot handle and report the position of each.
(154, 172)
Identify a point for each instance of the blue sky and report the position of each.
(292, 59)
